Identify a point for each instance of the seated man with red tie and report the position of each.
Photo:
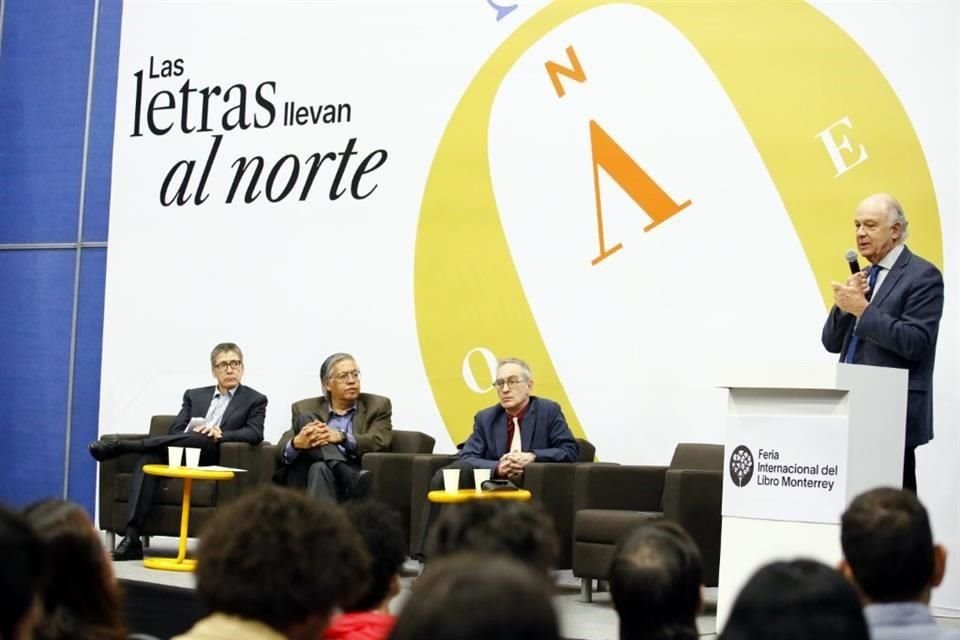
(508, 436)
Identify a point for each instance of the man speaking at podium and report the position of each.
(889, 314)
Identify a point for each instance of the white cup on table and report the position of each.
(174, 457)
(193, 456)
(451, 480)
(479, 477)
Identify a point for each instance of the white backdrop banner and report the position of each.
(620, 192)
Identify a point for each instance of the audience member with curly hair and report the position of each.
(275, 564)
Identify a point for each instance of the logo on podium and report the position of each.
(741, 465)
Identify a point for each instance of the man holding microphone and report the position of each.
(889, 315)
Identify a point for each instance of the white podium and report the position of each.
(801, 442)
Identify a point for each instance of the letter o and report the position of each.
(467, 373)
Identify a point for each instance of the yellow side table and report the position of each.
(188, 475)
(466, 495)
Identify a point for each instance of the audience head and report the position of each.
(798, 600)
(81, 598)
(21, 581)
(478, 597)
(520, 530)
(655, 582)
(280, 558)
(381, 531)
(888, 548)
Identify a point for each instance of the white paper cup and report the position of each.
(451, 480)
(174, 456)
(193, 456)
(479, 477)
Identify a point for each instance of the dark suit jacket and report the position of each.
(242, 421)
(371, 424)
(899, 329)
(544, 431)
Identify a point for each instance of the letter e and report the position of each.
(834, 147)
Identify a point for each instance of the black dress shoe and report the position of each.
(104, 449)
(362, 482)
(128, 549)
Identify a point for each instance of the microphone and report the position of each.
(852, 261)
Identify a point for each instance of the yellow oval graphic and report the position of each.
(791, 73)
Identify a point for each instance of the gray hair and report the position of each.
(517, 361)
(224, 347)
(894, 211)
(327, 367)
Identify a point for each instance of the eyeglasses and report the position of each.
(345, 375)
(513, 382)
(228, 364)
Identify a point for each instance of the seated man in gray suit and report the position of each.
(226, 412)
(330, 434)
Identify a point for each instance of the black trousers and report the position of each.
(324, 473)
(910, 469)
(332, 479)
(142, 485)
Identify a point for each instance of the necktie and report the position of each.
(515, 443)
(854, 340)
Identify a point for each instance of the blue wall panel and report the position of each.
(45, 52)
(86, 378)
(100, 145)
(36, 294)
(44, 73)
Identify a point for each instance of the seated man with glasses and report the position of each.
(225, 412)
(329, 434)
(508, 436)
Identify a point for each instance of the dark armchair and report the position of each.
(550, 483)
(164, 518)
(392, 470)
(610, 500)
(421, 472)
